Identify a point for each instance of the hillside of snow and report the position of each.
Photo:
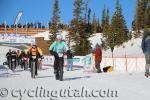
(96, 39)
(43, 34)
(46, 35)
(132, 48)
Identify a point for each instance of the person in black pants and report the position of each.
(58, 48)
(13, 56)
(69, 60)
(8, 56)
(146, 50)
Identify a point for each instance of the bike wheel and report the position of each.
(9, 64)
(26, 66)
(33, 69)
(13, 66)
(60, 70)
(22, 65)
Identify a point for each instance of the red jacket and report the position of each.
(98, 54)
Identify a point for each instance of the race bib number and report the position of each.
(33, 57)
(60, 54)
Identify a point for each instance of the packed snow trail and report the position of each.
(129, 86)
(20, 85)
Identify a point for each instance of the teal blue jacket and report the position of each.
(59, 47)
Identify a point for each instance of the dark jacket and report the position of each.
(146, 44)
(69, 54)
(23, 55)
(13, 55)
(8, 55)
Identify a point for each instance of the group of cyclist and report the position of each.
(58, 48)
(24, 58)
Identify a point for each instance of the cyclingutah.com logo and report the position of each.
(3, 92)
(54, 94)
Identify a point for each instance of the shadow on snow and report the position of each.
(76, 78)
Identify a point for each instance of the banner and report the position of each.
(120, 64)
(16, 39)
(48, 60)
(79, 61)
(18, 17)
(89, 63)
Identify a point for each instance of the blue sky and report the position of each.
(41, 10)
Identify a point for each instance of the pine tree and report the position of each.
(78, 30)
(94, 24)
(98, 26)
(103, 18)
(105, 21)
(89, 14)
(78, 10)
(55, 21)
(86, 11)
(118, 32)
(105, 28)
(140, 21)
(87, 17)
(89, 23)
(134, 23)
(147, 15)
(139, 16)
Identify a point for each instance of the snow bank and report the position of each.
(96, 38)
(131, 48)
(46, 35)
(43, 34)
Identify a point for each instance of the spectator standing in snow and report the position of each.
(98, 57)
(146, 51)
(69, 60)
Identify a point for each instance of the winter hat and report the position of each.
(59, 37)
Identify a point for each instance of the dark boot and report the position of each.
(57, 76)
(61, 79)
(98, 70)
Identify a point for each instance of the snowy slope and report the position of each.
(96, 39)
(43, 34)
(131, 49)
(46, 35)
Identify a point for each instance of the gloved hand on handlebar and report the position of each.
(54, 53)
(42, 57)
(51, 52)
